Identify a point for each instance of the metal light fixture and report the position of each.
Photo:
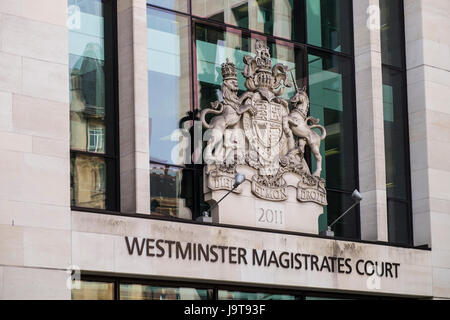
(356, 196)
(239, 178)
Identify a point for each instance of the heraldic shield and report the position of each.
(264, 133)
(263, 136)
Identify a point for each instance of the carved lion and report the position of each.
(229, 112)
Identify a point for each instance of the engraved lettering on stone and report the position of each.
(270, 215)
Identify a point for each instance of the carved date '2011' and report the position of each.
(270, 217)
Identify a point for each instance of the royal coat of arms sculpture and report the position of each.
(263, 134)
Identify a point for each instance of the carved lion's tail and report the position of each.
(206, 111)
(316, 125)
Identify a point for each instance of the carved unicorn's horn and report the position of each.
(295, 82)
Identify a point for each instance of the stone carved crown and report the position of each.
(259, 73)
(229, 71)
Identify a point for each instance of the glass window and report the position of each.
(239, 295)
(215, 45)
(147, 292)
(399, 222)
(392, 28)
(395, 114)
(88, 176)
(93, 290)
(331, 95)
(92, 103)
(329, 24)
(280, 18)
(177, 5)
(394, 110)
(96, 289)
(172, 179)
(396, 155)
(87, 60)
(169, 90)
(171, 190)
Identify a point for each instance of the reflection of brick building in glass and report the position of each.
(87, 126)
(89, 176)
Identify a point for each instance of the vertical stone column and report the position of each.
(35, 237)
(428, 70)
(369, 109)
(133, 107)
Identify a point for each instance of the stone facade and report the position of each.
(40, 237)
(133, 106)
(428, 65)
(111, 254)
(35, 236)
(369, 110)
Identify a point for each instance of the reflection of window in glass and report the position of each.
(331, 92)
(329, 24)
(239, 295)
(87, 100)
(88, 181)
(147, 292)
(92, 105)
(280, 18)
(265, 15)
(240, 15)
(93, 290)
(96, 138)
(171, 191)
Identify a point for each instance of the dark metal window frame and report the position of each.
(406, 141)
(111, 155)
(342, 191)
